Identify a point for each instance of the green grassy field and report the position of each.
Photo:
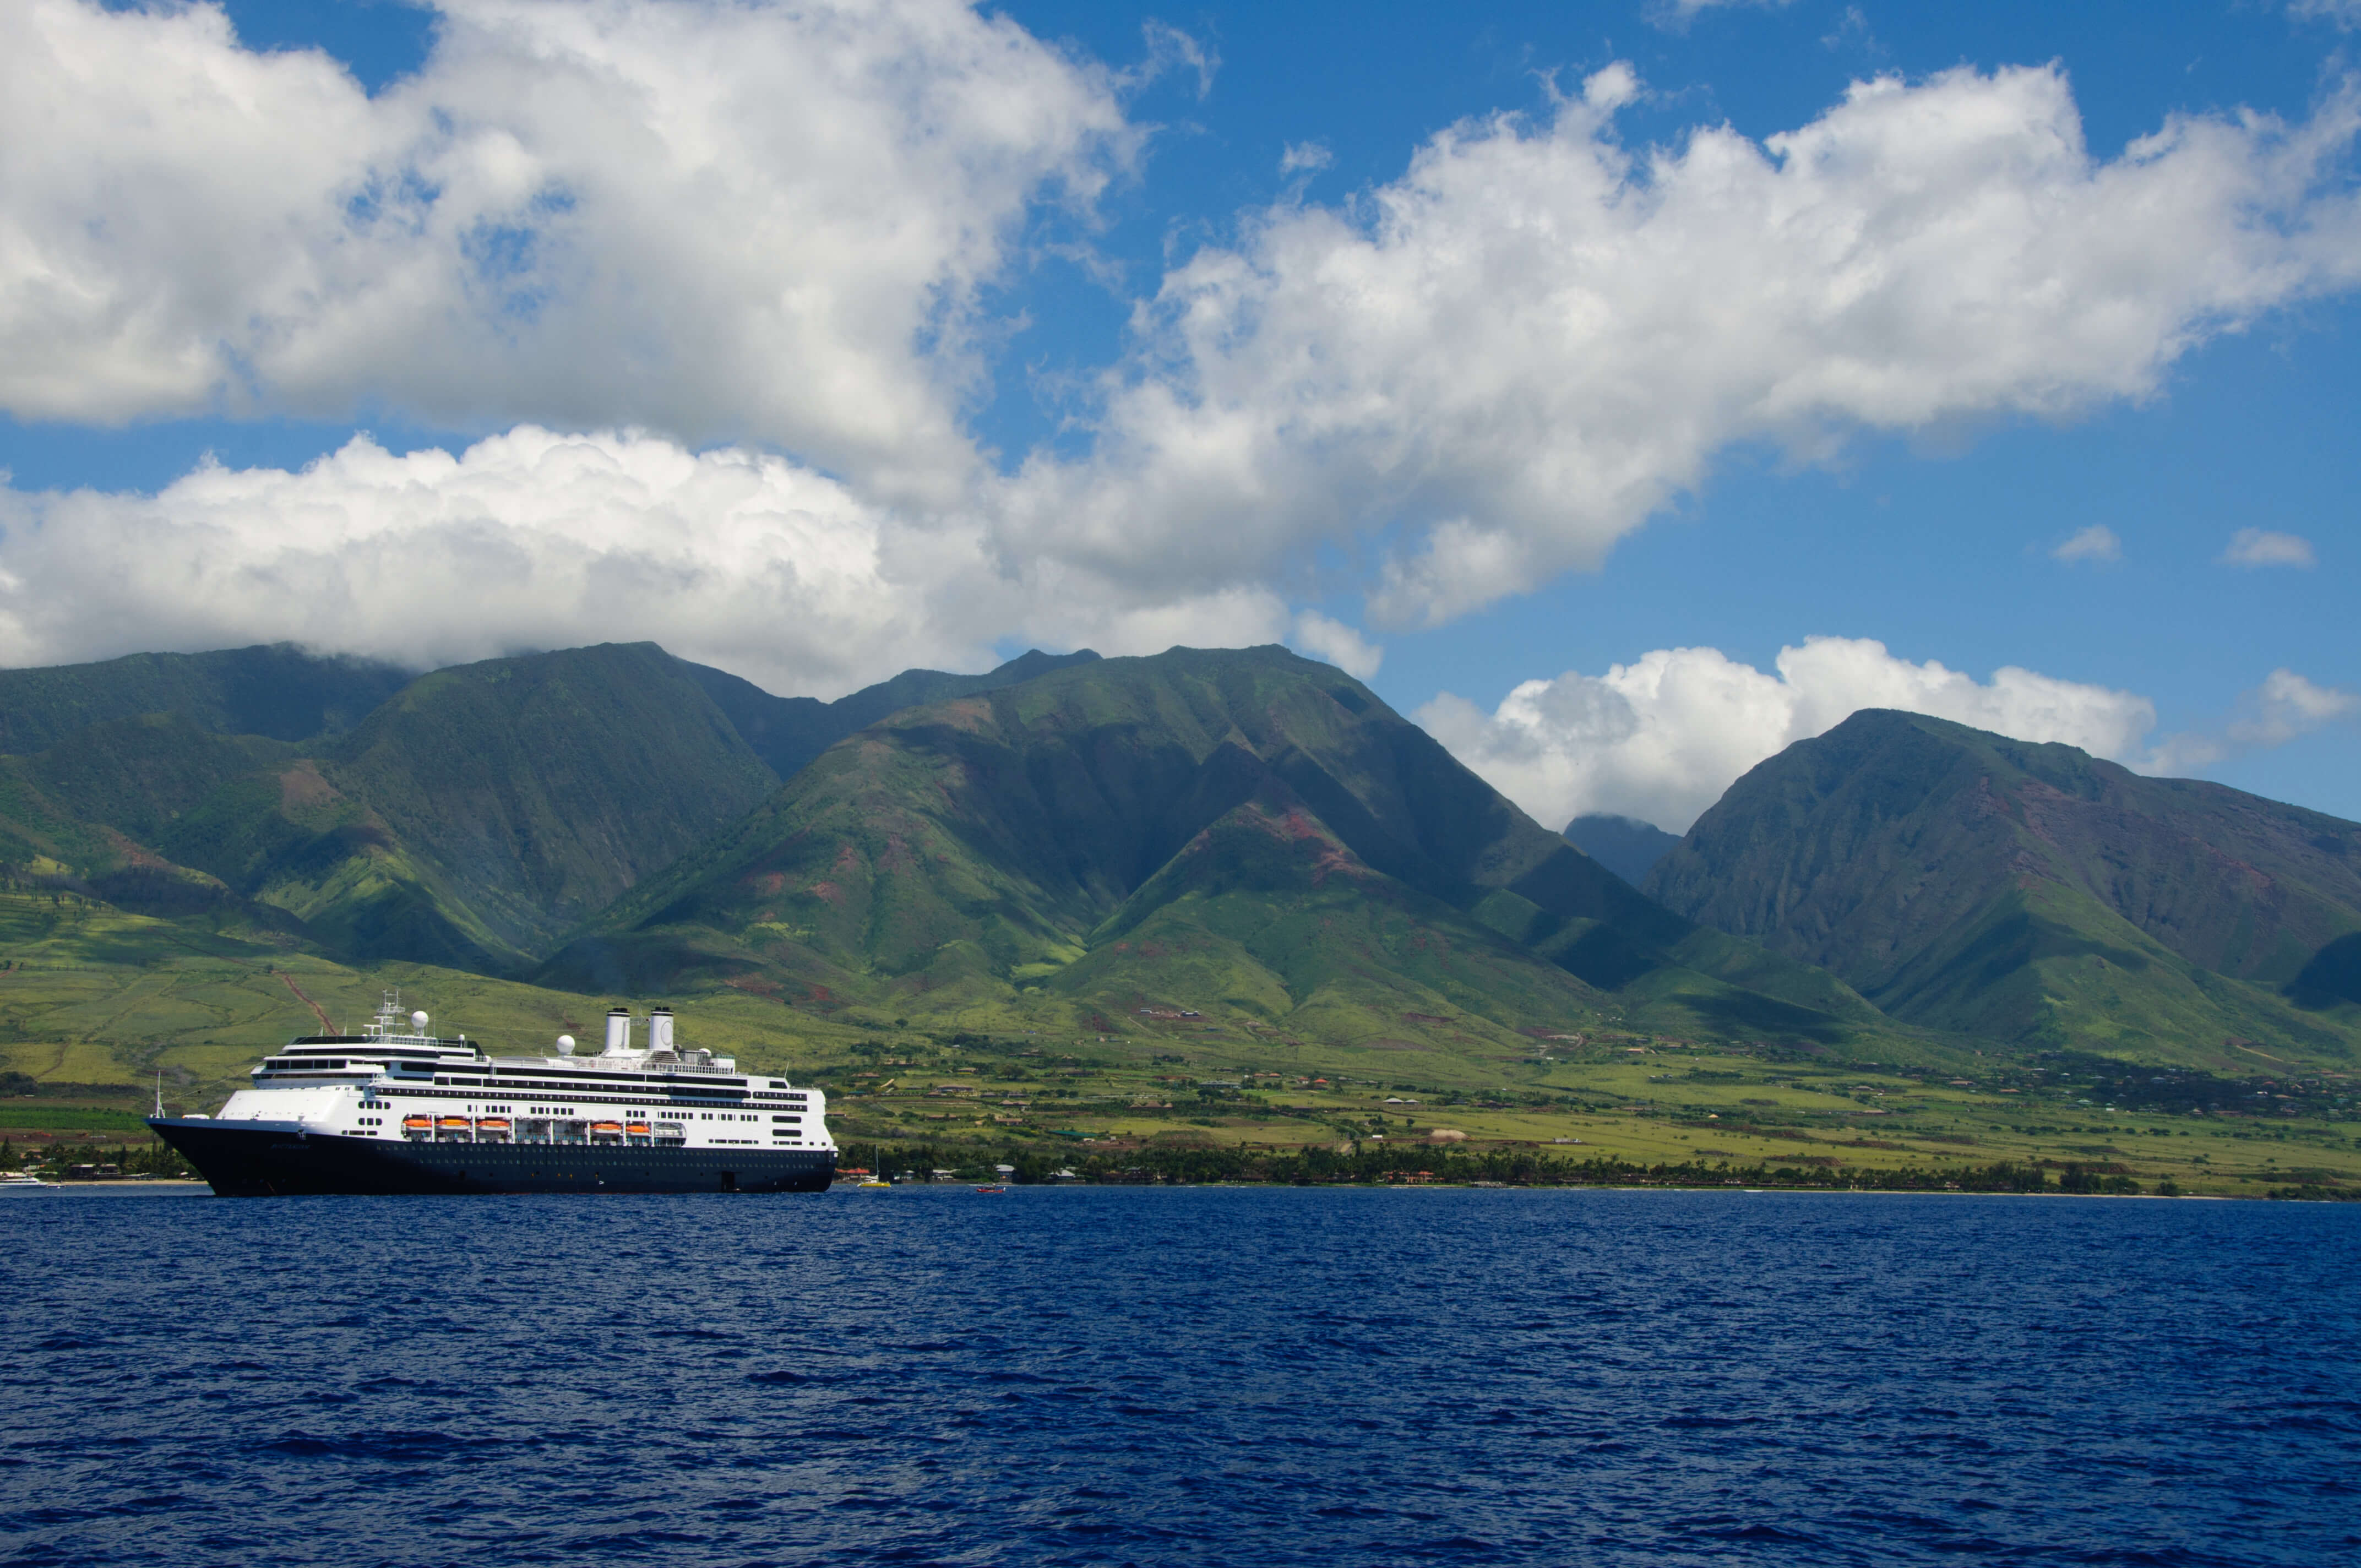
(1166, 1084)
(22, 1116)
(1657, 1105)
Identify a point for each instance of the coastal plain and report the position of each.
(91, 1042)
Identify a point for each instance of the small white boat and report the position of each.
(21, 1180)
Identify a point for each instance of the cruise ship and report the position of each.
(398, 1109)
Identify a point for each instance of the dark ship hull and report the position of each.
(266, 1159)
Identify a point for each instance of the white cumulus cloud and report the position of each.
(2285, 708)
(1336, 644)
(755, 221)
(1537, 336)
(2096, 542)
(2261, 547)
(769, 234)
(1660, 739)
(535, 539)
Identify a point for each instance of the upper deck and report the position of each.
(388, 1054)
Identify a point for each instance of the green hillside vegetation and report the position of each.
(92, 997)
(86, 813)
(532, 792)
(787, 732)
(468, 818)
(2038, 895)
(278, 691)
(1246, 823)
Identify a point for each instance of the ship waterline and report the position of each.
(397, 1110)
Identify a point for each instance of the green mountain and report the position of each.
(85, 812)
(510, 799)
(1244, 826)
(469, 821)
(466, 818)
(787, 732)
(1062, 841)
(1624, 845)
(278, 691)
(2038, 894)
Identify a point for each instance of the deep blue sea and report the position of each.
(1153, 1376)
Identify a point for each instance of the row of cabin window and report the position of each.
(538, 1112)
(659, 1110)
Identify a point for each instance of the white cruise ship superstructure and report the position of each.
(397, 1109)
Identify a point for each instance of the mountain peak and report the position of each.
(1034, 663)
(1228, 811)
(1965, 879)
(1624, 845)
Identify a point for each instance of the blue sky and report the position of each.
(1100, 324)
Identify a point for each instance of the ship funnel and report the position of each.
(618, 1030)
(566, 1045)
(660, 1029)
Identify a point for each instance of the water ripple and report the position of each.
(1223, 1375)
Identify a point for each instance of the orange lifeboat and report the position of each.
(606, 1130)
(417, 1123)
(637, 1129)
(452, 1124)
(493, 1125)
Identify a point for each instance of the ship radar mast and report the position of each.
(389, 1017)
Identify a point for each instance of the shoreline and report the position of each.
(1582, 1187)
(164, 1185)
(167, 1183)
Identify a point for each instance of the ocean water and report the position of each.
(1208, 1375)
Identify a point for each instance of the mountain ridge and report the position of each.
(1001, 837)
(1082, 836)
(470, 818)
(275, 690)
(2029, 892)
(787, 732)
